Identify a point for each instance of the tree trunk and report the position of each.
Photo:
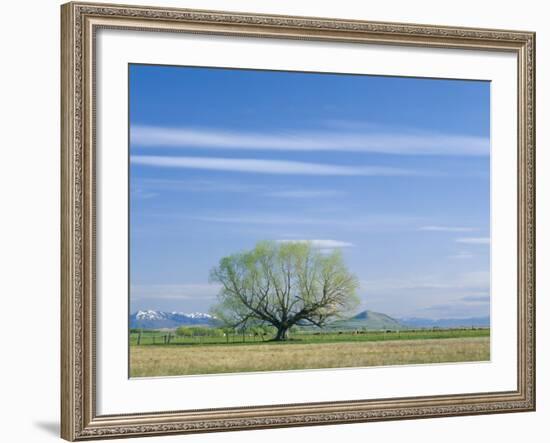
(282, 333)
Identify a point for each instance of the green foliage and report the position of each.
(199, 331)
(184, 331)
(212, 337)
(283, 285)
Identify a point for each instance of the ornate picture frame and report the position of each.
(80, 23)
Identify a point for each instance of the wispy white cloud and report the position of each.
(484, 298)
(390, 285)
(457, 310)
(446, 229)
(390, 142)
(259, 219)
(478, 280)
(305, 193)
(189, 291)
(474, 240)
(258, 166)
(193, 185)
(380, 222)
(445, 295)
(462, 255)
(146, 186)
(142, 194)
(321, 244)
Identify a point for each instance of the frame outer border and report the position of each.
(68, 351)
(78, 417)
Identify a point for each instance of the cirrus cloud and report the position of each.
(474, 240)
(259, 166)
(321, 244)
(389, 142)
(446, 228)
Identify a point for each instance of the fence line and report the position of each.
(168, 338)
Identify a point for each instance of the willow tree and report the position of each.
(283, 285)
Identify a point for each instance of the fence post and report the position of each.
(139, 338)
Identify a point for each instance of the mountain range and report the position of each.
(151, 319)
(472, 322)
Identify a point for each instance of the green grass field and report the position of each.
(211, 355)
(152, 337)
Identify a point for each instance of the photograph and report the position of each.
(289, 220)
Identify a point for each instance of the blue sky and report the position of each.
(394, 172)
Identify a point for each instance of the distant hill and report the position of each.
(473, 322)
(368, 320)
(150, 319)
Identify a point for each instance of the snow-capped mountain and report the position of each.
(151, 319)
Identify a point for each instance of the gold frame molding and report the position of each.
(79, 22)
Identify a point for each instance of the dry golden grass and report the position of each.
(149, 361)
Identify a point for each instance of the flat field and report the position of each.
(187, 359)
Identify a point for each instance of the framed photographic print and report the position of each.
(284, 221)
